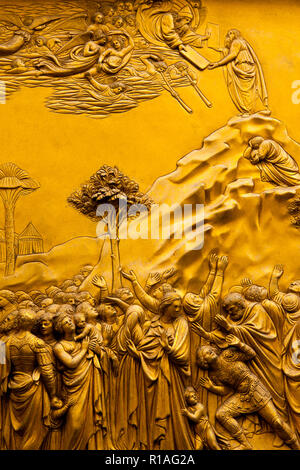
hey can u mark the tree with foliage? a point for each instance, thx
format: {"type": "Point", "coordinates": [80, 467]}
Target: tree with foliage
{"type": "Point", "coordinates": [109, 186]}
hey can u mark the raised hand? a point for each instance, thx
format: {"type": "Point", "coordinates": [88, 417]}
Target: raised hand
{"type": "Point", "coordinates": [168, 273]}
{"type": "Point", "coordinates": [232, 340]}
{"type": "Point", "coordinates": [153, 279]}
{"type": "Point", "coordinates": [223, 263]}
{"type": "Point", "coordinates": [246, 282]}
{"type": "Point", "coordinates": [278, 271]}
{"type": "Point", "coordinates": [222, 322]}
{"type": "Point", "coordinates": [131, 276]}
{"type": "Point", "coordinates": [99, 281]}
{"type": "Point", "coordinates": [213, 261]}
{"type": "Point", "coordinates": [197, 328]}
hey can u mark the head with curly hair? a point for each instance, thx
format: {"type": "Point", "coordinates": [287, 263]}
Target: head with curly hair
{"type": "Point", "coordinates": [66, 308]}
{"type": "Point", "coordinates": [70, 298]}
{"type": "Point", "coordinates": [85, 296]}
{"type": "Point", "coordinates": [206, 356]}
{"type": "Point", "coordinates": [255, 293]}
{"type": "Point", "coordinates": [125, 294]}
{"type": "Point", "coordinates": [191, 396]}
{"type": "Point", "coordinates": [26, 319]}
{"type": "Point", "coordinates": [7, 297]}
{"type": "Point", "coordinates": [234, 305]}
{"type": "Point", "coordinates": [64, 324]}
{"type": "Point", "coordinates": [255, 142]}
{"type": "Point", "coordinates": [231, 35]}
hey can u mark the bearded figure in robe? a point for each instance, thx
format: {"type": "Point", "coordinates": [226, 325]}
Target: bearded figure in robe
{"type": "Point", "coordinates": [201, 309]}
{"type": "Point", "coordinates": [244, 76]}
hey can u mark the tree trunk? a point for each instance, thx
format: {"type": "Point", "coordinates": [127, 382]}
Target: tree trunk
{"type": "Point", "coordinates": [115, 265]}
{"type": "Point", "coordinates": [9, 237]}
{"type": "Point", "coordinates": [119, 258]}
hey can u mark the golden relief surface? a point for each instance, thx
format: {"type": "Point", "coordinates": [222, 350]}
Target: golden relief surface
{"type": "Point", "coordinates": [144, 307]}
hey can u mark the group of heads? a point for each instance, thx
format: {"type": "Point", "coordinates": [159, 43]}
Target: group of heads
{"type": "Point", "coordinates": [117, 15]}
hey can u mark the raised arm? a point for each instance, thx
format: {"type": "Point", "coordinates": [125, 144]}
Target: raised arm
{"type": "Point", "coordinates": [152, 280]}
{"type": "Point", "coordinates": [213, 261]}
{"type": "Point", "coordinates": [216, 289]}
{"type": "Point", "coordinates": [200, 331]}
{"type": "Point", "coordinates": [146, 300]}
{"type": "Point", "coordinates": [100, 282]}
{"type": "Point", "coordinates": [120, 303]}
{"type": "Point", "coordinates": [273, 285]}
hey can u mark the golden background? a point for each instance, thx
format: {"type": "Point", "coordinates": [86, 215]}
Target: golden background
{"type": "Point", "coordinates": [62, 151]}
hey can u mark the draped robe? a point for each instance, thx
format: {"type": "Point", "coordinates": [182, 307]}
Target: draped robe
{"type": "Point", "coordinates": [276, 165]}
{"type": "Point", "coordinates": [152, 390]}
{"type": "Point", "coordinates": [244, 77]}
{"type": "Point", "coordinates": [84, 426]}
{"type": "Point", "coordinates": [291, 369]}
{"type": "Point", "coordinates": [28, 404]}
{"type": "Point", "coordinates": [257, 330]}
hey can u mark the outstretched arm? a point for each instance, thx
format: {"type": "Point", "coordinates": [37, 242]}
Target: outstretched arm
{"type": "Point", "coordinates": [199, 330]}
{"type": "Point", "coordinates": [213, 261]}
{"type": "Point", "coordinates": [247, 353]}
{"type": "Point", "coordinates": [120, 303]}
{"type": "Point", "coordinates": [146, 300]}
{"type": "Point", "coordinates": [273, 285]}
{"type": "Point", "coordinates": [233, 53]}
{"type": "Point", "coordinates": [152, 280]}
{"type": "Point", "coordinates": [216, 289]}
{"type": "Point", "coordinates": [100, 282]}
